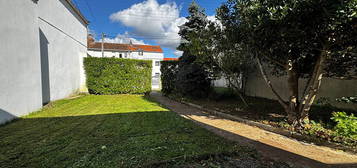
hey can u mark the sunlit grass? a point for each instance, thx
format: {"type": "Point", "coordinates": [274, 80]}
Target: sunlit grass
{"type": "Point", "coordinates": [105, 131]}
{"type": "Point", "coordinates": [97, 105]}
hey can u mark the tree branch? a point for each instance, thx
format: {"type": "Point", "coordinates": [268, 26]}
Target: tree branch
{"type": "Point", "coordinates": [268, 82]}
{"type": "Point", "coordinates": [275, 61]}
{"type": "Point", "coordinates": [314, 84]}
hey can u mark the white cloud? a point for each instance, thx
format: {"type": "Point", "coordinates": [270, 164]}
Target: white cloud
{"type": "Point", "coordinates": [212, 18]}
{"type": "Point", "coordinates": [215, 20]}
{"type": "Point", "coordinates": [124, 39]}
{"type": "Point", "coordinates": [178, 53]}
{"type": "Point", "coordinates": [152, 20]}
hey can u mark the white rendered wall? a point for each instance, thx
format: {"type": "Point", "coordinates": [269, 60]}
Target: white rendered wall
{"type": "Point", "coordinates": [39, 47]}
{"type": "Point", "coordinates": [20, 69]}
{"type": "Point", "coordinates": [67, 40]}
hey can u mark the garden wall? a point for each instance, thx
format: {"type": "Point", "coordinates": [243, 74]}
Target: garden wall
{"type": "Point", "coordinates": [330, 88]}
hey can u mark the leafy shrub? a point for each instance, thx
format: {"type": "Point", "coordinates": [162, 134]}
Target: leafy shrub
{"type": "Point", "coordinates": [192, 81]}
{"type": "Point", "coordinates": [169, 71]}
{"type": "Point", "coordinates": [117, 76]}
{"type": "Point", "coordinates": [350, 99]}
{"type": "Point", "coordinates": [187, 80]}
{"type": "Point", "coordinates": [346, 124]}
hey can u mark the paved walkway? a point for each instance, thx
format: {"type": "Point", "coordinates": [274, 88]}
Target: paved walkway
{"type": "Point", "coordinates": [268, 144]}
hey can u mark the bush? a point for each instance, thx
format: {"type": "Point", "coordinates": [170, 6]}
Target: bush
{"type": "Point", "coordinates": [168, 76]}
{"type": "Point", "coordinates": [192, 81]}
{"type": "Point", "coordinates": [346, 124]}
{"type": "Point", "coordinates": [117, 76]}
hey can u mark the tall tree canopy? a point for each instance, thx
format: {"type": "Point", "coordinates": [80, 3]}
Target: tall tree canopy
{"type": "Point", "coordinates": [192, 78]}
{"type": "Point", "coordinates": [298, 38]}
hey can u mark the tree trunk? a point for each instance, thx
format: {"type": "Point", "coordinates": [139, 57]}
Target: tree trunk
{"type": "Point", "coordinates": [293, 86]}
{"type": "Point", "coordinates": [313, 87]}
{"type": "Point", "coordinates": [236, 88]}
{"type": "Point", "coordinates": [268, 82]}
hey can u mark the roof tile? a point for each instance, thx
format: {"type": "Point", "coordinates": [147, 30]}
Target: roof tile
{"type": "Point", "coordinates": [125, 47]}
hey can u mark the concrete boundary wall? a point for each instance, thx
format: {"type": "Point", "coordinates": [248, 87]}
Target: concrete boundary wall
{"type": "Point", "coordinates": [331, 88]}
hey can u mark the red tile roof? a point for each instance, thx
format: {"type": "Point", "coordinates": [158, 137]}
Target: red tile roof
{"type": "Point", "coordinates": [170, 59]}
{"type": "Point", "coordinates": [124, 47]}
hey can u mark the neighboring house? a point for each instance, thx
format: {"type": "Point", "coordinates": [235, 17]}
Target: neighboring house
{"type": "Point", "coordinates": [43, 43]}
{"type": "Point", "coordinates": [130, 51]}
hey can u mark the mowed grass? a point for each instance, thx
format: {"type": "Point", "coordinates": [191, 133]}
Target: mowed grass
{"type": "Point", "coordinates": [105, 131]}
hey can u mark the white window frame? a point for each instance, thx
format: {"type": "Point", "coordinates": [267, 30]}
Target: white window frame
{"type": "Point", "coordinates": [157, 63]}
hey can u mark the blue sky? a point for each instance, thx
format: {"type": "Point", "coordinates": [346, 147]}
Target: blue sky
{"type": "Point", "coordinates": [152, 22]}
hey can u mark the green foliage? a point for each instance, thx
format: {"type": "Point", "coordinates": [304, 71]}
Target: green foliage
{"type": "Point", "coordinates": [192, 81]}
{"type": "Point", "coordinates": [299, 31]}
{"type": "Point", "coordinates": [193, 78]}
{"type": "Point", "coordinates": [169, 71]}
{"type": "Point", "coordinates": [189, 80]}
{"type": "Point", "coordinates": [298, 38]}
{"type": "Point", "coordinates": [346, 124]}
{"type": "Point", "coordinates": [117, 76]}
{"type": "Point", "coordinates": [197, 21]}
{"type": "Point", "coordinates": [316, 129]}
{"type": "Point", "coordinates": [350, 99]}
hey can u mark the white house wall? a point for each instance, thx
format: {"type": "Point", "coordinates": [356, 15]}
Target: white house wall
{"type": "Point", "coordinates": [20, 72]}
{"type": "Point", "coordinates": [40, 55]}
{"type": "Point", "coordinates": [67, 42]}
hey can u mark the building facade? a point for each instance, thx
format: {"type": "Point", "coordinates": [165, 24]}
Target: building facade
{"type": "Point", "coordinates": [130, 51]}
{"type": "Point", "coordinates": [41, 54]}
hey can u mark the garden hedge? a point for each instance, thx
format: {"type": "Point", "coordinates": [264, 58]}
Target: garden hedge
{"type": "Point", "coordinates": [117, 76]}
{"type": "Point", "coordinates": [169, 71]}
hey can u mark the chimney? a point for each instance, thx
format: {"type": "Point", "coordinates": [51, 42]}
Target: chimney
{"type": "Point", "coordinates": [90, 40]}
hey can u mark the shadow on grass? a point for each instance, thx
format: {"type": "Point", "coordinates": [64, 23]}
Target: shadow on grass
{"type": "Point", "coordinates": [5, 117]}
{"type": "Point", "coordinates": [111, 140]}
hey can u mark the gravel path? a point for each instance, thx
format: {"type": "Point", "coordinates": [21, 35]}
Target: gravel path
{"type": "Point", "coordinates": [268, 144]}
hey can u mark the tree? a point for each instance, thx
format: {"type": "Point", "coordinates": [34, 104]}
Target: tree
{"type": "Point", "coordinates": [192, 78]}
{"type": "Point", "coordinates": [220, 51]}
{"type": "Point", "coordinates": [300, 39]}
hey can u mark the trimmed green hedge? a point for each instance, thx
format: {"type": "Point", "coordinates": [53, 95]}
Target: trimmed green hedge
{"type": "Point", "coordinates": [169, 71]}
{"type": "Point", "coordinates": [117, 76]}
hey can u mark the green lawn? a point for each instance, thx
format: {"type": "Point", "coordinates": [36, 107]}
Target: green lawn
{"type": "Point", "coordinates": [105, 131]}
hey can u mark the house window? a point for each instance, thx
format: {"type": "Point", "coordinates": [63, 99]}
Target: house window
{"type": "Point", "coordinates": [120, 55]}
{"type": "Point", "coordinates": [157, 75]}
{"type": "Point", "coordinates": [157, 63]}
{"type": "Point", "coordinates": [141, 53]}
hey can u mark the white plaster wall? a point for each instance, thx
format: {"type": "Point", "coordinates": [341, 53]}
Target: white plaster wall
{"type": "Point", "coordinates": [330, 88]}
{"type": "Point", "coordinates": [20, 70]}
{"type": "Point", "coordinates": [39, 41]}
{"type": "Point", "coordinates": [221, 82]}
{"type": "Point", "coordinates": [67, 40]}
